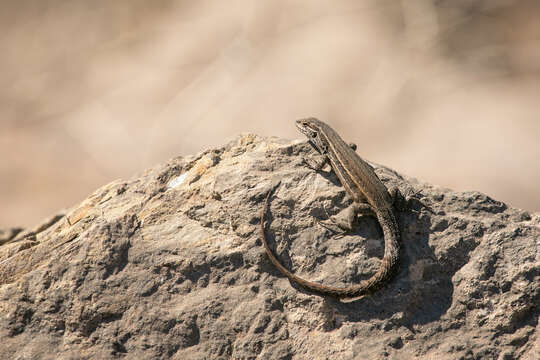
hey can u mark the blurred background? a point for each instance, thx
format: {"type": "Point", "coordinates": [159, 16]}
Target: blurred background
{"type": "Point", "coordinates": [447, 91]}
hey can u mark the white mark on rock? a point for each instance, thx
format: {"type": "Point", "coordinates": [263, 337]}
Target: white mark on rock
{"type": "Point", "coordinates": [177, 181]}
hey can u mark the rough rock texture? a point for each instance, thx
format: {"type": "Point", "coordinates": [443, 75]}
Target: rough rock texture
{"type": "Point", "coordinates": [170, 265]}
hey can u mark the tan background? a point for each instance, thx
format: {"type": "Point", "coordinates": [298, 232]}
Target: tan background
{"type": "Point", "coordinates": [90, 91]}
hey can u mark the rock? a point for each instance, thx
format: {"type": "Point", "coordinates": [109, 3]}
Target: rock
{"type": "Point", "coordinates": [170, 264]}
{"type": "Point", "coordinates": [8, 234]}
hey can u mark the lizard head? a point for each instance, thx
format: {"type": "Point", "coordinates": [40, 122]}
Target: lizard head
{"type": "Point", "coordinates": [312, 128]}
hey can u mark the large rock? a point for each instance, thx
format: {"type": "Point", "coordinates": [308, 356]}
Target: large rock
{"type": "Point", "coordinates": [170, 265]}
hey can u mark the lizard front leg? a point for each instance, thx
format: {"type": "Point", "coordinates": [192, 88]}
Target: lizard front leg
{"type": "Point", "coordinates": [316, 162]}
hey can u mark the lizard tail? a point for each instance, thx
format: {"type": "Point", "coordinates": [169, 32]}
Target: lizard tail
{"type": "Point", "coordinates": [391, 254]}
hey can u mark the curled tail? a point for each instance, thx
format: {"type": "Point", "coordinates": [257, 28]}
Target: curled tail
{"type": "Point", "coordinates": [391, 253]}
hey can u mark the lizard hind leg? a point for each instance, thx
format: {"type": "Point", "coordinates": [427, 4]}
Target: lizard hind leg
{"type": "Point", "coordinates": [345, 219]}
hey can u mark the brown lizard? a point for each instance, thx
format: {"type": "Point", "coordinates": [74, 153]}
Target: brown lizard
{"type": "Point", "coordinates": [370, 197]}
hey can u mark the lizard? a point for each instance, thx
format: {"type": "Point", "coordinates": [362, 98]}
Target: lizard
{"type": "Point", "coordinates": [369, 195]}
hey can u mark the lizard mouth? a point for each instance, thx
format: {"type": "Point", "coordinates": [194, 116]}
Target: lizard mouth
{"type": "Point", "coordinates": [303, 126]}
{"type": "Point", "coordinates": [300, 125]}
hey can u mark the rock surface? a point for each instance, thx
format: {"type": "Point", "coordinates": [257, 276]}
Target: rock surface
{"type": "Point", "coordinates": [170, 264]}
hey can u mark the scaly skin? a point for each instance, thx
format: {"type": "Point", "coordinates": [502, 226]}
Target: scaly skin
{"type": "Point", "coordinates": [366, 189]}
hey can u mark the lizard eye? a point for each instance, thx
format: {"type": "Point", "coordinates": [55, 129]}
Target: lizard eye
{"type": "Point", "coordinates": [313, 135]}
